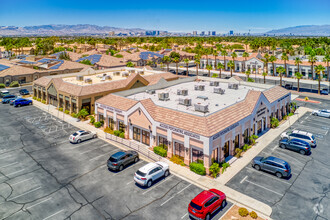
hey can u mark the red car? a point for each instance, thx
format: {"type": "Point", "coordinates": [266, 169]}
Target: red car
{"type": "Point", "coordinates": [206, 203]}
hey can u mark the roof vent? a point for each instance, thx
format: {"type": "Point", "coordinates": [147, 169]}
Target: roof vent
{"type": "Point", "coordinates": [141, 72]}
{"type": "Point", "coordinates": [199, 107]}
{"type": "Point", "coordinates": [233, 86]}
{"type": "Point", "coordinates": [131, 71]}
{"type": "Point", "coordinates": [214, 83]}
{"type": "Point", "coordinates": [88, 80]}
{"type": "Point", "coordinates": [202, 97]}
{"type": "Point", "coordinates": [108, 78]}
{"type": "Point", "coordinates": [185, 101]}
{"type": "Point", "coordinates": [218, 90]}
{"type": "Point", "coordinates": [164, 96]}
{"type": "Point", "coordinates": [151, 91]}
{"type": "Point", "coordinates": [80, 78]}
{"type": "Point", "coordinates": [200, 87]}
{"type": "Point", "coordinates": [182, 92]}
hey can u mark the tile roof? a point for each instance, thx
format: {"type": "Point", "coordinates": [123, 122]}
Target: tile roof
{"type": "Point", "coordinates": [16, 70]}
{"type": "Point", "coordinates": [117, 102]}
{"type": "Point", "coordinates": [275, 93]}
{"type": "Point", "coordinates": [43, 81]}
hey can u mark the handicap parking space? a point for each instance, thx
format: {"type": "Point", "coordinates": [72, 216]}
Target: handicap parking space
{"type": "Point", "coordinates": [305, 188]}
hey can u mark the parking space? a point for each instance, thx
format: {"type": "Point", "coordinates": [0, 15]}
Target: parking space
{"type": "Point", "coordinates": [43, 176]}
{"type": "Point", "coordinates": [304, 194]}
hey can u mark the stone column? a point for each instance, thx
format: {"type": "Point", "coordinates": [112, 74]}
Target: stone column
{"type": "Point", "coordinates": [207, 163]}
{"type": "Point", "coordinates": [187, 155]}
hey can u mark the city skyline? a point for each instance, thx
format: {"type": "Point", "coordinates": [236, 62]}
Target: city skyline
{"type": "Point", "coordinates": [257, 16]}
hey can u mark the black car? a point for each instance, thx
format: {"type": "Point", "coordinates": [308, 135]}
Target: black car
{"type": "Point", "coordinates": [121, 159]}
{"type": "Point", "coordinates": [288, 86]}
{"type": "Point", "coordinates": [24, 92]}
{"type": "Point", "coordinates": [294, 144]}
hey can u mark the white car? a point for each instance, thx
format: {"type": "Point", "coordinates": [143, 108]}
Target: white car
{"type": "Point", "coordinates": [322, 113]}
{"type": "Point", "coordinates": [149, 173]}
{"type": "Point", "coordinates": [80, 136]}
{"type": "Point", "coordinates": [299, 134]}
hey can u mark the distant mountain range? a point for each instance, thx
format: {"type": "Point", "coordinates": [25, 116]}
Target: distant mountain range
{"type": "Point", "coordinates": [304, 30]}
{"type": "Point", "coordinates": [61, 30]}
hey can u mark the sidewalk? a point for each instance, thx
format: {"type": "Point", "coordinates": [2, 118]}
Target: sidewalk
{"type": "Point", "coordinates": [204, 182]}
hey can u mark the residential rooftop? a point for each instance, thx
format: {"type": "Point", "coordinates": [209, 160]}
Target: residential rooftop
{"type": "Point", "coordinates": [214, 97]}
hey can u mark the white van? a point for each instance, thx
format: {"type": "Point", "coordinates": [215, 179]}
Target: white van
{"type": "Point", "coordinates": [4, 93]}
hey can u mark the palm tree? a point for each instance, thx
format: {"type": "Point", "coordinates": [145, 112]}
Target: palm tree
{"type": "Point", "coordinates": [285, 58]}
{"type": "Point", "coordinates": [273, 59]}
{"type": "Point", "coordinates": [187, 64]}
{"type": "Point", "coordinates": [167, 60]}
{"type": "Point", "coordinates": [264, 75]}
{"type": "Point", "coordinates": [297, 62]}
{"type": "Point", "coordinates": [266, 60]}
{"type": "Point", "coordinates": [312, 59]}
{"type": "Point", "coordinates": [245, 55]}
{"type": "Point", "coordinates": [224, 54]}
{"type": "Point", "coordinates": [298, 75]}
{"type": "Point", "coordinates": [176, 60]}
{"type": "Point", "coordinates": [220, 66]}
{"type": "Point", "coordinates": [197, 62]}
{"type": "Point", "coordinates": [327, 59]}
{"type": "Point", "coordinates": [209, 68]}
{"type": "Point", "coordinates": [319, 69]}
{"type": "Point", "coordinates": [215, 54]}
{"type": "Point", "coordinates": [233, 56]}
{"type": "Point", "coordinates": [247, 73]}
{"type": "Point", "coordinates": [231, 65]}
{"type": "Point", "coordinates": [280, 70]}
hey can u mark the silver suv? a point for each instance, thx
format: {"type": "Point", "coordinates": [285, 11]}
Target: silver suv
{"type": "Point", "coordinates": [302, 135]}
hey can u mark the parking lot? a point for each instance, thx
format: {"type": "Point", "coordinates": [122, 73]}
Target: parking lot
{"type": "Point", "coordinates": [305, 195]}
{"type": "Point", "coordinates": [43, 176]}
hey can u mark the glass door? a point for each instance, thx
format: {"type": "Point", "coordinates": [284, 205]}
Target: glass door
{"type": "Point", "coordinates": [146, 137]}
{"type": "Point", "coordinates": [226, 149]}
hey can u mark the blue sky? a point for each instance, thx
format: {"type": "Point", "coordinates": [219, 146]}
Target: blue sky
{"type": "Point", "coordinates": [218, 15]}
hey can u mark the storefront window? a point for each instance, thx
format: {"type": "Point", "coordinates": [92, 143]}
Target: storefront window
{"type": "Point", "coordinates": [101, 117]}
{"type": "Point", "coordinates": [137, 134]}
{"type": "Point", "coordinates": [197, 156]}
{"type": "Point", "coordinates": [179, 150]}
{"type": "Point", "coordinates": [162, 141]}
{"type": "Point", "coordinates": [215, 155]}
{"type": "Point", "coordinates": [146, 137]}
{"type": "Point", "coordinates": [121, 126]}
{"type": "Point", "coordinates": [111, 124]}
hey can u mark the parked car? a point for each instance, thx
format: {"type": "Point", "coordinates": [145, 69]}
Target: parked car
{"type": "Point", "coordinates": [82, 135]}
{"type": "Point", "coordinates": [298, 145]}
{"type": "Point", "coordinates": [121, 159]}
{"type": "Point", "coordinates": [274, 165]}
{"type": "Point", "coordinates": [288, 86]}
{"type": "Point", "coordinates": [302, 135]}
{"type": "Point", "coordinates": [206, 203]}
{"type": "Point", "coordinates": [20, 102]}
{"type": "Point", "coordinates": [324, 92]}
{"type": "Point", "coordinates": [149, 173]}
{"type": "Point", "coordinates": [4, 93]}
{"type": "Point", "coordinates": [6, 99]}
{"type": "Point", "coordinates": [11, 102]}
{"type": "Point", "coordinates": [24, 92]}
{"type": "Point", "coordinates": [322, 113]}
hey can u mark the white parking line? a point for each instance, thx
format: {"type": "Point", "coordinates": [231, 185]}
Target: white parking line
{"type": "Point", "coordinates": [39, 203]}
{"type": "Point", "coordinates": [243, 179]}
{"type": "Point", "coordinates": [184, 189]}
{"type": "Point", "coordinates": [265, 174]}
{"type": "Point", "coordinates": [94, 158]}
{"type": "Point", "coordinates": [184, 215]}
{"type": "Point", "coordinates": [129, 182]}
{"type": "Point", "coordinates": [53, 214]}
{"type": "Point", "coordinates": [264, 187]}
{"type": "Point", "coordinates": [157, 185]}
{"type": "Point", "coordinates": [26, 193]}
{"type": "Point", "coordinates": [6, 156]}
{"type": "Point", "coordinates": [94, 149]}
{"type": "Point", "coordinates": [128, 167]}
{"type": "Point", "coordinates": [15, 172]}
{"type": "Point", "coordinates": [167, 201]}
{"type": "Point", "coordinates": [13, 184]}
{"type": "Point", "coordinates": [8, 165]}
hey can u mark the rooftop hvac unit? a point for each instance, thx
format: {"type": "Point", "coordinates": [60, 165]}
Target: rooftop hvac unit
{"type": "Point", "coordinates": [200, 87]}
{"type": "Point", "coordinates": [141, 72]}
{"type": "Point", "coordinates": [108, 78]}
{"type": "Point", "coordinates": [80, 78]}
{"type": "Point", "coordinates": [116, 73]}
{"type": "Point", "coordinates": [199, 107]}
{"type": "Point", "coordinates": [182, 92]}
{"type": "Point", "coordinates": [232, 86]}
{"type": "Point", "coordinates": [124, 74]}
{"type": "Point", "coordinates": [219, 90]}
{"type": "Point", "coordinates": [88, 80]}
{"type": "Point", "coordinates": [164, 96]}
{"type": "Point", "coordinates": [213, 83]}
{"type": "Point", "coordinates": [131, 71]}
{"type": "Point", "coordinates": [151, 91]}
{"type": "Point", "coordinates": [186, 102]}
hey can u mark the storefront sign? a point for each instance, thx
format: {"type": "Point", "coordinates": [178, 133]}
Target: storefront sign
{"type": "Point", "coordinates": [283, 97]}
{"type": "Point", "coordinates": [178, 130]}
{"type": "Point", "coordinates": [231, 127]}
{"type": "Point", "coordinates": [108, 108]}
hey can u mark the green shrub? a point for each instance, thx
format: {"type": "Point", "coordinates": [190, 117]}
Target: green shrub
{"type": "Point", "coordinates": [200, 161]}
{"type": "Point", "coordinates": [250, 146]}
{"type": "Point", "coordinates": [285, 117]}
{"type": "Point", "coordinates": [290, 114]}
{"type": "Point", "coordinates": [2, 86]}
{"type": "Point", "coordinates": [197, 168]}
{"type": "Point", "coordinates": [38, 99]}
{"type": "Point", "coordinates": [116, 132]}
{"type": "Point", "coordinates": [177, 160]}
{"type": "Point", "coordinates": [82, 113]}
{"type": "Point", "coordinates": [214, 169]}
{"type": "Point", "coordinates": [274, 122]}
{"type": "Point", "coordinates": [74, 115]}
{"type": "Point", "coordinates": [60, 109]}
{"type": "Point", "coordinates": [122, 135]}
{"type": "Point", "coordinates": [160, 151]}
{"type": "Point", "coordinates": [253, 215]}
{"type": "Point", "coordinates": [306, 98]}
{"type": "Point", "coordinates": [164, 146]}
{"type": "Point", "coordinates": [245, 147]}
{"type": "Point", "coordinates": [238, 152]}
{"type": "Point", "coordinates": [225, 166]}
{"type": "Point", "coordinates": [214, 75]}
{"type": "Point", "coordinates": [43, 101]}
{"type": "Point", "coordinates": [254, 136]}
{"type": "Point", "coordinates": [67, 112]}
{"type": "Point", "coordinates": [243, 212]}
{"type": "Point", "coordinates": [250, 80]}
{"type": "Point", "coordinates": [97, 124]}
{"type": "Point", "coordinates": [108, 130]}
{"type": "Point", "coordinates": [118, 56]}
{"type": "Point", "coordinates": [92, 119]}
{"type": "Point", "coordinates": [14, 84]}
{"type": "Point", "coordinates": [35, 98]}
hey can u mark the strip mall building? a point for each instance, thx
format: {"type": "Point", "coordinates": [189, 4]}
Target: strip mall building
{"type": "Point", "coordinates": [209, 126]}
